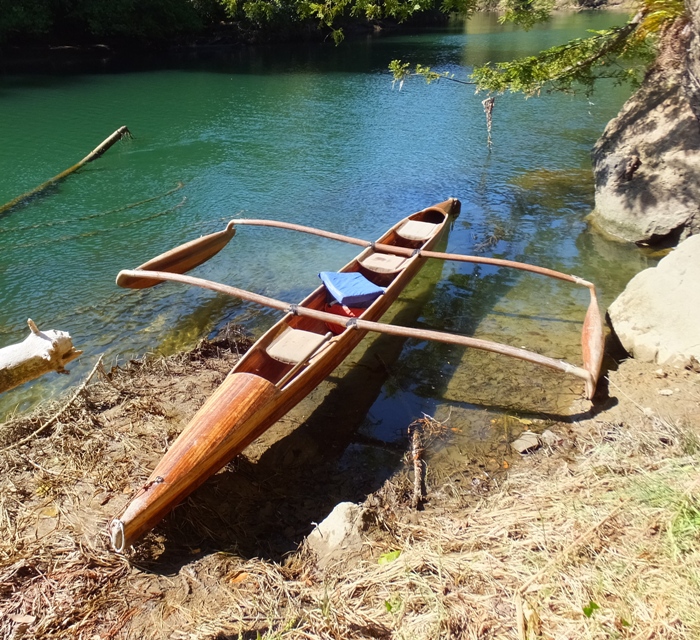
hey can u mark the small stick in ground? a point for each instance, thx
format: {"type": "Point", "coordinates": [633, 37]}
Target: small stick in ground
{"type": "Point", "coordinates": [415, 433]}
{"type": "Point", "coordinates": [418, 431]}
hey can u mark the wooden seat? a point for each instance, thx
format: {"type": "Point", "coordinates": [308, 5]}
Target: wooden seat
{"type": "Point", "coordinates": [416, 230]}
{"type": "Point", "coordinates": [293, 346]}
{"type": "Point", "coordinates": [383, 262]}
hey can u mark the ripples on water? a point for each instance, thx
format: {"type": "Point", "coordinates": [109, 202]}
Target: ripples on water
{"type": "Point", "coordinates": [313, 135]}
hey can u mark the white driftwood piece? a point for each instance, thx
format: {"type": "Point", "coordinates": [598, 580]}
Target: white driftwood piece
{"type": "Point", "coordinates": [40, 353]}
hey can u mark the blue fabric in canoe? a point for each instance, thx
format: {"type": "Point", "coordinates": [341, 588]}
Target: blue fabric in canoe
{"type": "Point", "coordinates": [351, 289]}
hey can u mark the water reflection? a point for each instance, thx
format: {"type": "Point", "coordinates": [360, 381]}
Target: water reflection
{"type": "Point", "coordinates": [309, 134]}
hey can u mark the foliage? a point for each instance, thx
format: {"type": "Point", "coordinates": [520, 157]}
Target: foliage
{"type": "Point", "coordinates": [261, 12]}
{"type": "Point", "coordinates": [389, 556]}
{"type": "Point", "coordinates": [329, 12]}
{"type": "Point", "coordinates": [333, 13]}
{"type": "Point", "coordinates": [621, 53]}
{"type": "Point", "coordinates": [158, 19]}
{"type": "Point", "coordinates": [77, 20]}
{"type": "Point", "coordinates": [526, 13]}
{"type": "Point", "coordinates": [578, 62]}
{"type": "Point", "coordinates": [590, 608]}
{"type": "Point", "coordinates": [684, 531]}
{"type": "Point", "coordinates": [657, 15]}
{"type": "Point", "coordinates": [24, 17]}
{"type": "Point", "coordinates": [141, 19]}
{"type": "Point", "coordinates": [402, 70]}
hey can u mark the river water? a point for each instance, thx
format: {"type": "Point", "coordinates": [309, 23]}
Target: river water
{"type": "Point", "coordinates": [314, 135]}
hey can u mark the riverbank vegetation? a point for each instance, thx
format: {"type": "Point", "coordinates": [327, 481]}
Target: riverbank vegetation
{"type": "Point", "coordinates": [622, 54]}
{"type": "Point", "coordinates": [592, 536]}
{"type": "Point", "coordinates": [159, 23]}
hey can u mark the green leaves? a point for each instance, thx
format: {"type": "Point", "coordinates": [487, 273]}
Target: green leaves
{"type": "Point", "coordinates": [429, 74]}
{"type": "Point", "coordinates": [621, 53]}
{"type": "Point", "coordinates": [526, 13]}
{"type": "Point", "coordinates": [581, 61]}
{"type": "Point", "coordinates": [389, 556]}
{"type": "Point", "coordinates": [393, 605]}
{"type": "Point", "coordinates": [402, 70]}
{"type": "Point", "coordinates": [590, 608]}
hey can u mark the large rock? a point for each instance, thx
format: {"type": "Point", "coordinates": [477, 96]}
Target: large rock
{"type": "Point", "coordinates": [647, 162]}
{"type": "Point", "coordinates": [657, 316]}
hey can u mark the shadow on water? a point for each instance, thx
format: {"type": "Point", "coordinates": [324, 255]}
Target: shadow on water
{"type": "Point", "coordinates": [357, 55]}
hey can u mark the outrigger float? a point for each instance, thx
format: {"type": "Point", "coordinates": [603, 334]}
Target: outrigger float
{"type": "Point", "coordinates": [306, 345]}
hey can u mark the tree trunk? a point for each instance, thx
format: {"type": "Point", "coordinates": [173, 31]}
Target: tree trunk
{"type": "Point", "coordinates": [38, 354]}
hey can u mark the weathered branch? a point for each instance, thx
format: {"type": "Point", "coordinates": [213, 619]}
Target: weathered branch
{"type": "Point", "coordinates": [94, 154]}
{"type": "Point", "coordinates": [40, 353]}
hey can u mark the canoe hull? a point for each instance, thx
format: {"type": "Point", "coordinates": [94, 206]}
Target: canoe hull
{"type": "Point", "coordinates": [246, 405]}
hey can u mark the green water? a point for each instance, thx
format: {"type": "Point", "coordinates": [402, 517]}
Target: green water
{"type": "Point", "coordinates": [313, 135]}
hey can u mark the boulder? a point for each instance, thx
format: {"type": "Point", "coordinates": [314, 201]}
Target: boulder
{"type": "Point", "coordinates": [692, 71]}
{"type": "Point", "coordinates": [647, 167]}
{"type": "Point", "coordinates": [647, 162]}
{"type": "Point", "coordinates": [656, 316]}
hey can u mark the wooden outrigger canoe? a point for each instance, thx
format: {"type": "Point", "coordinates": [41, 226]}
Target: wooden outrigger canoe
{"type": "Point", "coordinates": [302, 349]}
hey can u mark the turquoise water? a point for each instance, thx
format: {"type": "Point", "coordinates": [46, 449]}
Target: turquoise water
{"type": "Point", "coordinates": [311, 134]}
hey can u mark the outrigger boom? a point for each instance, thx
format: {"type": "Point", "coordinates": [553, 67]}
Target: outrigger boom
{"type": "Point", "coordinates": [195, 252]}
{"type": "Point", "coordinates": [592, 338]}
{"type": "Point", "coordinates": [367, 325]}
{"type": "Point", "coordinates": [305, 346]}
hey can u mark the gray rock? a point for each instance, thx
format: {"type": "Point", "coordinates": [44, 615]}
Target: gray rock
{"type": "Point", "coordinates": [550, 438]}
{"type": "Point", "coordinates": [647, 165]}
{"type": "Point", "coordinates": [657, 316]}
{"type": "Point", "coordinates": [338, 535]}
{"type": "Point", "coordinates": [528, 441]}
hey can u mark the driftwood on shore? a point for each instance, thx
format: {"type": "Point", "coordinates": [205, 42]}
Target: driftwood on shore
{"type": "Point", "coordinates": [120, 133]}
{"type": "Point", "coordinates": [40, 353]}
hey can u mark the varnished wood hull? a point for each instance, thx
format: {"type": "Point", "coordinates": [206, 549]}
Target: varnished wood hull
{"type": "Point", "coordinates": [249, 402]}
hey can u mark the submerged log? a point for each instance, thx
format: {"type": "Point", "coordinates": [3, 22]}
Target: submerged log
{"type": "Point", "coordinates": [120, 133]}
{"type": "Point", "coordinates": [40, 353]}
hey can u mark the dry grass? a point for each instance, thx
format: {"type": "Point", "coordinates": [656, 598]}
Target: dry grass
{"type": "Point", "coordinates": [597, 538]}
{"type": "Point", "coordinates": [57, 577]}
{"type": "Point", "coordinates": [606, 546]}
